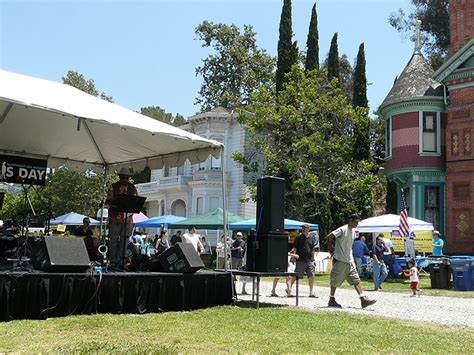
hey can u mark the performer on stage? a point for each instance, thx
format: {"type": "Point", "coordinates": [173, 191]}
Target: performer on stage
{"type": "Point", "coordinates": [92, 243]}
{"type": "Point", "coordinates": [120, 229]}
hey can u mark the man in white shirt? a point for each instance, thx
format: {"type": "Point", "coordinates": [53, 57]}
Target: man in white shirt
{"type": "Point", "coordinates": [192, 237]}
{"type": "Point", "coordinates": [340, 246]}
{"type": "Point", "coordinates": [388, 257]}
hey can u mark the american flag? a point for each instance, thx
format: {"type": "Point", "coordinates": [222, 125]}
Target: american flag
{"type": "Point", "coordinates": [404, 227]}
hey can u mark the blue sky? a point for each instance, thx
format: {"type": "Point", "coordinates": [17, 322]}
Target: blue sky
{"type": "Point", "coordinates": [144, 52]}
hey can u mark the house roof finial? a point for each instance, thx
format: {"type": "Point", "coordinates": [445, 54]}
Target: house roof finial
{"type": "Point", "coordinates": [418, 37]}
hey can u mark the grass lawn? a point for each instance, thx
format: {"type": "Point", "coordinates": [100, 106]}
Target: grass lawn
{"type": "Point", "coordinates": [322, 279]}
{"type": "Point", "coordinates": [231, 329]}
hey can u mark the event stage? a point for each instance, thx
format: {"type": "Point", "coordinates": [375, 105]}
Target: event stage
{"type": "Point", "coordinates": [38, 295]}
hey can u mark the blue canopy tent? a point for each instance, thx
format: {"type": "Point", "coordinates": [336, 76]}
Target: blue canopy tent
{"type": "Point", "coordinates": [289, 224]}
{"type": "Point", "coordinates": [159, 221]}
{"type": "Point", "coordinates": [72, 219]}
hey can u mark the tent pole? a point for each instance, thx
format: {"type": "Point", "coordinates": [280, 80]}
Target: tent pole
{"type": "Point", "coordinates": [102, 201]}
{"type": "Point", "coordinates": [224, 204]}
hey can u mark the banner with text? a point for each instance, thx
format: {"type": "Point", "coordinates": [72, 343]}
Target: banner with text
{"type": "Point", "coordinates": [20, 170]}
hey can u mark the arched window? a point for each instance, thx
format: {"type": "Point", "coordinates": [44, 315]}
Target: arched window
{"type": "Point", "coordinates": [178, 208]}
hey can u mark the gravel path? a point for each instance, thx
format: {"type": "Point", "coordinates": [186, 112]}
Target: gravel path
{"type": "Point", "coordinates": [443, 310]}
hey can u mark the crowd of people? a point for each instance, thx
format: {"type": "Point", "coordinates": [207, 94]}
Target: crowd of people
{"type": "Point", "coordinates": [349, 252]}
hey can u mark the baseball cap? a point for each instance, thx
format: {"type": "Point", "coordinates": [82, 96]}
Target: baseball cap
{"type": "Point", "coordinates": [239, 234]}
{"type": "Point", "coordinates": [353, 217]}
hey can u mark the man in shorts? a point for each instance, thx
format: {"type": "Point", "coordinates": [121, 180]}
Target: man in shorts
{"type": "Point", "coordinates": [304, 248]}
{"type": "Point", "coordinates": [343, 266]}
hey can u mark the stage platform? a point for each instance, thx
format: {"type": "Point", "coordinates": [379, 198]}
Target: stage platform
{"type": "Point", "coordinates": [38, 295]}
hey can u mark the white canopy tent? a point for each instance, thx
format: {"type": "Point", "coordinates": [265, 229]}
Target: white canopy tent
{"type": "Point", "coordinates": [40, 118]}
{"type": "Point", "coordinates": [390, 222]}
{"type": "Point", "coordinates": [49, 120]}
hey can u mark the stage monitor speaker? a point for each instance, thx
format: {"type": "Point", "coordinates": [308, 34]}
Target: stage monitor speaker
{"type": "Point", "coordinates": [60, 254]}
{"type": "Point", "coordinates": [268, 253]}
{"type": "Point", "coordinates": [182, 257]}
{"type": "Point", "coordinates": [270, 205]}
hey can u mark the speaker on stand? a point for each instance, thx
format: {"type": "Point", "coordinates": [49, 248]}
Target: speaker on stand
{"type": "Point", "coordinates": [269, 253]}
{"type": "Point", "coordinates": [267, 249]}
{"type": "Point", "coordinates": [270, 205]}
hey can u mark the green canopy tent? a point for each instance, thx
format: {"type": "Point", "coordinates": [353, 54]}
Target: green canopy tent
{"type": "Point", "coordinates": [211, 220]}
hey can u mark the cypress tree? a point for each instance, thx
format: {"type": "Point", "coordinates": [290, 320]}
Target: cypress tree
{"type": "Point", "coordinates": [359, 99]}
{"type": "Point", "coordinates": [287, 50]}
{"type": "Point", "coordinates": [333, 59]}
{"type": "Point", "coordinates": [312, 43]}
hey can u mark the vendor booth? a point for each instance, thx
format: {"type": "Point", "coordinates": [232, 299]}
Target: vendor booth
{"type": "Point", "coordinates": [389, 225]}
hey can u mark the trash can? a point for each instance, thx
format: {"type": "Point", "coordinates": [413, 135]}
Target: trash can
{"type": "Point", "coordinates": [440, 274]}
{"type": "Point", "coordinates": [461, 267]}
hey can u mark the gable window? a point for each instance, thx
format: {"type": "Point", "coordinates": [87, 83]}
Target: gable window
{"type": "Point", "coordinates": [429, 133]}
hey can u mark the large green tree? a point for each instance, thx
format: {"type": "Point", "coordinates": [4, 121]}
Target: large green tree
{"type": "Point", "coordinates": [65, 191]}
{"type": "Point", "coordinates": [287, 49]}
{"type": "Point", "coordinates": [78, 81]}
{"type": "Point", "coordinates": [235, 69]}
{"type": "Point", "coordinates": [359, 100]}
{"type": "Point", "coordinates": [333, 60]}
{"type": "Point", "coordinates": [377, 137]}
{"type": "Point", "coordinates": [72, 191]}
{"type": "Point", "coordinates": [160, 114]}
{"type": "Point", "coordinates": [312, 42]}
{"type": "Point", "coordinates": [304, 138]}
{"type": "Point", "coordinates": [434, 18]}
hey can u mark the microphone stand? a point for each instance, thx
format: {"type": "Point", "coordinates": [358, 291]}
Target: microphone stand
{"type": "Point", "coordinates": [48, 207]}
{"type": "Point", "coordinates": [23, 249]}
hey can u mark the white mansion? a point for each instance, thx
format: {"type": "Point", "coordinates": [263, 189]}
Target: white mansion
{"type": "Point", "coordinates": [191, 190]}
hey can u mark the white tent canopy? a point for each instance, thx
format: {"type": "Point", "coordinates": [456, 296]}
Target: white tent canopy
{"type": "Point", "coordinates": [72, 219]}
{"type": "Point", "coordinates": [390, 222]}
{"type": "Point", "coordinates": [45, 119]}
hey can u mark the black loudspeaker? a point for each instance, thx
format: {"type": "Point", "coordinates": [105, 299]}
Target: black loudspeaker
{"type": "Point", "coordinates": [267, 252]}
{"type": "Point", "coordinates": [182, 257]}
{"type": "Point", "coordinates": [60, 254]}
{"type": "Point", "coordinates": [270, 204]}
{"type": "Point", "coordinates": [2, 197]}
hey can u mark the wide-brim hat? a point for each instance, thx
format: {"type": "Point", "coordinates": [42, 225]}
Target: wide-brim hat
{"type": "Point", "coordinates": [124, 172]}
